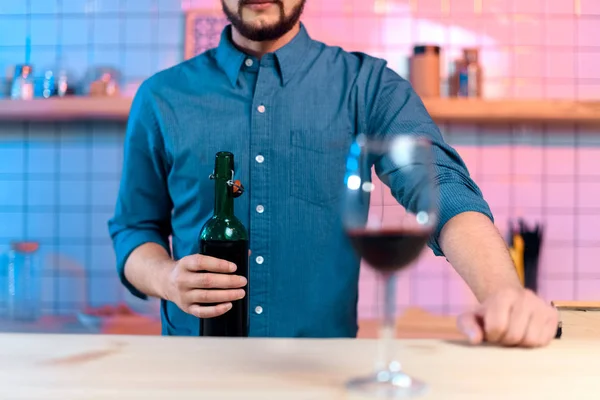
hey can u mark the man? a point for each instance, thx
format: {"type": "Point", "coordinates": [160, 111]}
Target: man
{"type": "Point", "coordinates": [277, 99]}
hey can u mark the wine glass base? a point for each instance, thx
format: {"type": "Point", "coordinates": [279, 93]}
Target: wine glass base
{"type": "Point", "coordinates": [388, 384]}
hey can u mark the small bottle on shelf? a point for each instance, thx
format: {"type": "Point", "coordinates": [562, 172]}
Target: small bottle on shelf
{"type": "Point", "coordinates": [470, 75]}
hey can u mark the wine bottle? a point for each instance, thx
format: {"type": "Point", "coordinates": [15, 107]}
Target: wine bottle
{"type": "Point", "coordinates": [225, 237]}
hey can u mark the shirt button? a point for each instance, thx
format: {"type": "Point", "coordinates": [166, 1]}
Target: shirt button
{"type": "Point", "coordinates": [260, 260]}
{"type": "Point", "coordinates": [260, 209]}
{"type": "Point", "coordinates": [258, 310]}
{"type": "Point", "coordinates": [259, 159]}
{"type": "Point", "coordinates": [249, 62]}
{"type": "Point", "coordinates": [261, 109]}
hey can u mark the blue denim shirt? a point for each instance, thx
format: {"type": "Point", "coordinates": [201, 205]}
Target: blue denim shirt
{"type": "Point", "coordinates": [289, 118]}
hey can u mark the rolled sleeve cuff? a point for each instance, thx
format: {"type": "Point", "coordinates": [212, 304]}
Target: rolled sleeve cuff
{"type": "Point", "coordinates": [126, 244]}
{"type": "Point", "coordinates": [456, 198]}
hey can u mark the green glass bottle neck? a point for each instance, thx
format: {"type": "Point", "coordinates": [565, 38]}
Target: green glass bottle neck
{"type": "Point", "coordinates": [223, 191]}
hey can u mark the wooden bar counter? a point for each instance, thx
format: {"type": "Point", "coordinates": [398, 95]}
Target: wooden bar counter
{"type": "Point", "coordinates": [115, 367]}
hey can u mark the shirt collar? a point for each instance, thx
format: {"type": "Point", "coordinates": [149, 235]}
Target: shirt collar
{"type": "Point", "coordinates": [289, 57]}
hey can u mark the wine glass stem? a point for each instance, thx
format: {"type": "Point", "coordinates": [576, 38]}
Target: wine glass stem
{"type": "Point", "coordinates": [388, 327]}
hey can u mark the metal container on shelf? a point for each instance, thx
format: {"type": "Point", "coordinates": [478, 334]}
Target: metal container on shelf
{"type": "Point", "coordinates": [470, 74]}
{"type": "Point", "coordinates": [22, 278]}
{"type": "Point", "coordinates": [23, 83]}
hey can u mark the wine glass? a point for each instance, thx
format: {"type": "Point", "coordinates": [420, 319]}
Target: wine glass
{"type": "Point", "coordinates": [389, 244]}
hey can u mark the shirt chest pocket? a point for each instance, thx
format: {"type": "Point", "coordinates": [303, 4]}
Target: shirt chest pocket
{"type": "Point", "coordinates": [318, 165]}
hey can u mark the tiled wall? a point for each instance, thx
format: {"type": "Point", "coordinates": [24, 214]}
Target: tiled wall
{"type": "Point", "coordinates": [58, 182]}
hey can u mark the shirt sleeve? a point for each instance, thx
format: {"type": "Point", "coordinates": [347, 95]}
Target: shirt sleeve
{"type": "Point", "coordinates": [143, 209]}
{"type": "Point", "coordinates": [397, 109]}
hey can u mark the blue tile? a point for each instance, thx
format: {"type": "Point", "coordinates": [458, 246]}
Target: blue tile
{"type": "Point", "coordinates": [74, 255]}
{"type": "Point", "coordinates": [76, 63]}
{"type": "Point", "coordinates": [72, 193]}
{"type": "Point", "coordinates": [41, 160]}
{"type": "Point", "coordinates": [44, 31]}
{"type": "Point", "coordinates": [11, 226]}
{"type": "Point", "coordinates": [12, 193]}
{"type": "Point", "coordinates": [71, 294]}
{"type": "Point", "coordinates": [74, 160]}
{"type": "Point", "coordinates": [13, 31]}
{"type": "Point", "coordinates": [169, 57]}
{"type": "Point", "coordinates": [41, 193]}
{"type": "Point", "coordinates": [138, 30]}
{"type": "Point", "coordinates": [41, 134]}
{"type": "Point", "coordinates": [171, 30]}
{"type": "Point", "coordinates": [139, 63]}
{"type": "Point", "coordinates": [138, 6]}
{"type": "Point", "coordinates": [11, 160]}
{"type": "Point", "coordinates": [13, 7]}
{"type": "Point", "coordinates": [9, 56]}
{"type": "Point", "coordinates": [108, 6]}
{"type": "Point", "coordinates": [72, 225]}
{"type": "Point", "coordinates": [103, 258]}
{"type": "Point", "coordinates": [108, 134]}
{"type": "Point", "coordinates": [107, 57]}
{"type": "Point", "coordinates": [104, 193]}
{"type": "Point", "coordinates": [100, 225]}
{"type": "Point", "coordinates": [43, 6]}
{"type": "Point", "coordinates": [169, 5]}
{"type": "Point", "coordinates": [75, 31]}
{"type": "Point", "coordinates": [12, 134]}
{"type": "Point", "coordinates": [107, 30]}
{"type": "Point", "coordinates": [74, 133]}
{"type": "Point", "coordinates": [107, 160]}
{"type": "Point", "coordinates": [41, 225]}
{"type": "Point", "coordinates": [104, 291]}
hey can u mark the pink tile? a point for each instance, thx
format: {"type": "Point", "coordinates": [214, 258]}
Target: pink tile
{"type": "Point", "coordinates": [588, 195]}
{"type": "Point", "coordinates": [554, 289]}
{"type": "Point", "coordinates": [470, 156]}
{"type": "Point", "coordinates": [429, 266]}
{"type": "Point", "coordinates": [559, 228]}
{"type": "Point", "coordinates": [498, 89]}
{"type": "Point", "coordinates": [588, 161]}
{"type": "Point", "coordinates": [587, 227]}
{"type": "Point", "coordinates": [377, 193]}
{"type": "Point", "coordinates": [588, 30]}
{"type": "Point", "coordinates": [429, 292]}
{"type": "Point", "coordinates": [527, 193]}
{"type": "Point", "coordinates": [496, 63]}
{"type": "Point", "coordinates": [560, 194]}
{"type": "Point", "coordinates": [501, 220]}
{"type": "Point", "coordinates": [560, 64]}
{"type": "Point", "coordinates": [403, 290]}
{"type": "Point", "coordinates": [529, 31]}
{"type": "Point", "coordinates": [367, 31]}
{"type": "Point", "coordinates": [587, 65]}
{"type": "Point", "coordinates": [499, 29]}
{"type": "Point", "coordinates": [529, 6]}
{"type": "Point", "coordinates": [588, 260]}
{"type": "Point", "coordinates": [528, 160]}
{"type": "Point", "coordinates": [431, 30]}
{"type": "Point", "coordinates": [555, 260]}
{"type": "Point", "coordinates": [388, 199]}
{"type": "Point", "coordinates": [560, 161]}
{"type": "Point", "coordinates": [460, 294]}
{"type": "Point", "coordinates": [495, 160]}
{"type": "Point", "coordinates": [429, 7]}
{"type": "Point", "coordinates": [465, 31]}
{"type": "Point", "coordinates": [497, 194]}
{"type": "Point", "coordinates": [462, 7]}
{"type": "Point", "coordinates": [560, 91]}
{"type": "Point", "coordinates": [497, 6]}
{"type": "Point", "coordinates": [560, 31]}
{"type": "Point", "coordinates": [590, 7]}
{"type": "Point", "coordinates": [560, 7]}
{"type": "Point", "coordinates": [392, 215]}
{"type": "Point", "coordinates": [588, 290]}
{"type": "Point", "coordinates": [529, 63]}
{"type": "Point", "coordinates": [525, 88]}
{"type": "Point", "coordinates": [586, 91]}
{"type": "Point", "coordinates": [375, 213]}
{"type": "Point", "coordinates": [397, 30]}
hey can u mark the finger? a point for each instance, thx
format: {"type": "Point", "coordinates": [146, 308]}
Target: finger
{"type": "Point", "coordinates": [548, 333]}
{"type": "Point", "coordinates": [200, 262]}
{"type": "Point", "coordinates": [216, 281]}
{"type": "Point", "coordinates": [209, 311]}
{"type": "Point", "coordinates": [519, 322]}
{"type": "Point", "coordinates": [535, 330]}
{"type": "Point", "coordinates": [468, 324]}
{"type": "Point", "coordinates": [496, 318]}
{"type": "Point", "coordinates": [200, 296]}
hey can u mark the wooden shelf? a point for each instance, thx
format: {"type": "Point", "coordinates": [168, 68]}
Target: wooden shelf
{"type": "Point", "coordinates": [514, 111]}
{"type": "Point", "coordinates": [442, 110]}
{"type": "Point", "coordinates": [66, 109]}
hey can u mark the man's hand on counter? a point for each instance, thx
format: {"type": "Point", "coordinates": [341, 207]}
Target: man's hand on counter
{"type": "Point", "coordinates": [511, 317]}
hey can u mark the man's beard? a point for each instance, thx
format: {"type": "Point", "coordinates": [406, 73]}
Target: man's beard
{"type": "Point", "coordinates": [272, 32]}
